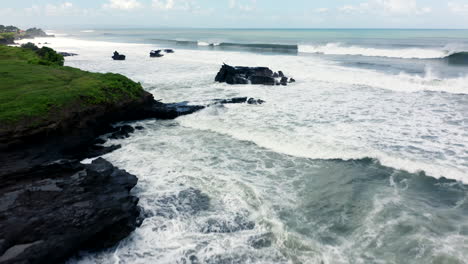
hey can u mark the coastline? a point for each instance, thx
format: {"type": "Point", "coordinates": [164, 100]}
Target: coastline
{"type": "Point", "coordinates": [70, 206]}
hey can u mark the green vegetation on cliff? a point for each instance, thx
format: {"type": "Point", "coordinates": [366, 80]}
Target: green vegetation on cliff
{"type": "Point", "coordinates": [34, 86]}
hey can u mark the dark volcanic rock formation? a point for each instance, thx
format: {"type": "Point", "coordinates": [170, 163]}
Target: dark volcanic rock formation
{"type": "Point", "coordinates": [46, 219]}
{"type": "Point", "coordinates": [156, 54]}
{"type": "Point", "coordinates": [250, 75]}
{"type": "Point", "coordinates": [67, 54]}
{"type": "Point", "coordinates": [118, 56]}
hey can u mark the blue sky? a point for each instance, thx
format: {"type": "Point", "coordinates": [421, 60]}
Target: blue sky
{"type": "Point", "coordinates": [238, 13]}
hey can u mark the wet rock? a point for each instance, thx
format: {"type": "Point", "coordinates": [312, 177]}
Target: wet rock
{"type": "Point", "coordinates": [239, 100]}
{"type": "Point", "coordinates": [118, 56]}
{"type": "Point", "coordinates": [266, 80]}
{"type": "Point", "coordinates": [169, 51]}
{"type": "Point", "coordinates": [63, 207]}
{"type": "Point", "coordinates": [139, 128]}
{"type": "Point", "coordinates": [292, 80]}
{"type": "Point", "coordinates": [122, 132]}
{"type": "Point", "coordinates": [284, 81]}
{"type": "Point", "coordinates": [96, 150]}
{"type": "Point", "coordinates": [156, 54]}
{"type": "Point", "coordinates": [67, 54]}
{"type": "Point", "coordinates": [245, 75]}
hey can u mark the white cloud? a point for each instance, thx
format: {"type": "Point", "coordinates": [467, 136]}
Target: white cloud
{"type": "Point", "coordinates": [322, 10]}
{"type": "Point", "coordinates": [246, 6]}
{"type": "Point", "coordinates": [57, 10]}
{"type": "Point", "coordinates": [185, 5]}
{"type": "Point", "coordinates": [122, 4]}
{"type": "Point", "coordinates": [389, 7]}
{"type": "Point", "coordinates": [456, 7]}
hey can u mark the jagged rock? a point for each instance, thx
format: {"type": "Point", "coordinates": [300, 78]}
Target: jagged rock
{"type": "Point", "coordinates": [62, 207]}
{"type": "Point", "coordinates": [239, 100]}
{"type": "Point", "coordinates": [156, 54]}
{"type": "Point", "coordinates": [118, 56]}
{"type": "Point", "coordinates": [246, 75]}
{"type": "Point", "coordinates": [67, 54]}
{"type": "Point", "coordinates": [284, 81]}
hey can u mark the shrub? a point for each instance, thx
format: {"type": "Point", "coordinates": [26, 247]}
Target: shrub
{"type": "Point", "coordinates": [30, 46]}
{"type": "Point", "coordinates": [49, 57]}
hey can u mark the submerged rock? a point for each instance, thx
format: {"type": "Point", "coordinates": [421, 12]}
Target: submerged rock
{"type": "Point", "coordinates": [63, 207]}
{"type": "Point", "coordinates": [67, 54]}
{"type": "Point", "coordinates": [186, 203]}
{"type": "Point", "coordinates": [246, 75]}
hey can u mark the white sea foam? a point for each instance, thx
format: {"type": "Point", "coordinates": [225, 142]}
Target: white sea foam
{"type": "Point", "coordinates": [369, 113]}
{"type": "Point", "coordinates": [332, 112]}
{"type": "Point", "coordinates": [405, 53]}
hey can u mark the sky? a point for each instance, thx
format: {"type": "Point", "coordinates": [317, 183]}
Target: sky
{"type": "Point", "coordinates": [236, 13]}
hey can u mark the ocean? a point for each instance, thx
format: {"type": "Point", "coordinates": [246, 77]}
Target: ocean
{"type": "Point", "coordinates": [363, 160]}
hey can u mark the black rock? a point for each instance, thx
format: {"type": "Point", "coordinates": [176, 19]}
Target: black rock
{"type": "Point", "coordinates": [122, 132]}
{"type": "Point", "coordinates": [156, 54]}
{"type": "Point", "coordinates": [266, 80]}
{"type": "Point", "coordinates": [139, 128]}
{"type": "Point", "coordinates": [246, 75]}
{"type": "Point", "coordinates": [255, 101]}
{"type": "Point", "coordinates": [96, 150]}
{"type": "Point", "coordinates": [67, 54]}
{"type": "Point", "coordinates": [239, 100]}
{"type": "Point", "coordinates": [169, 51]}
{"type": "Point", "coordinates": [284, 81]}
{"type": "Point", "coordinates": [64, 207]}
{"type": "Point", "coordinates": [118, 56]}
{"type": "Point", "coordinates": [292, 80]}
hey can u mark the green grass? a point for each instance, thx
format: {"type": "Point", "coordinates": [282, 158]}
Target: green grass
{"type": "Point", "coordinates": [30, 91]}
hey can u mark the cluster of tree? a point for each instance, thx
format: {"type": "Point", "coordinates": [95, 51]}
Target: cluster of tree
{"type": "Point", "coordinates": [47, 56]}
{"type": "Point", "coordinates": [9, 29]}
{"type": "Point", "coordinates": [35, 32]}
{"type": "Point", "coordinates": [8, 34]}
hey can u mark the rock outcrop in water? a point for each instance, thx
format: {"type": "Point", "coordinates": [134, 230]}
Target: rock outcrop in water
{"type": "Point", "coordinates": [251, 75]}
{"type": "Point", "coordinates": [64, 206]}
{"type": "Point", "coordinates": [118, 56]}
{"type": "Point", "coordinates": [156, 54]}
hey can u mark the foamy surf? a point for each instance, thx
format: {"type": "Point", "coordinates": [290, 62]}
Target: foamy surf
{"type": "Point", "coordinates": [406, 53]}
{"type": "Point", "coordinates": [289, 181]}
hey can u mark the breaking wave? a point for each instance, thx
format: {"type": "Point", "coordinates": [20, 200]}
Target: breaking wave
{"type": "Point", "coordinates": [405, 53]}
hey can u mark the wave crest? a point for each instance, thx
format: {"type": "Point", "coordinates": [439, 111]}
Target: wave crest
{"type": "Point", "coordinates": [406, 53]}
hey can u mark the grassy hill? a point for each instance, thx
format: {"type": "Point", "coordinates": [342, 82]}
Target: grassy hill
{"type": "Point", "coordinates": [35, 87]}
